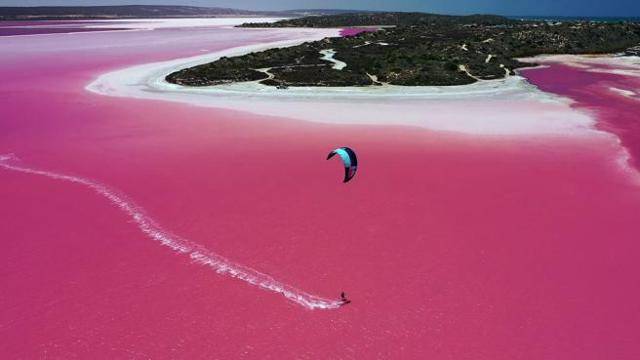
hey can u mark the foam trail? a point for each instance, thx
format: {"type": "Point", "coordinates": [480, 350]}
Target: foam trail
{"type": "Point", "coordinates": [197, 253]}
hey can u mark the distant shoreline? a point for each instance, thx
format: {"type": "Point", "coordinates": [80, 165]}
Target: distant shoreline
{"type": "Point", "coordinates": [575, 18]}
{"type": "Point", "coordinates": [114, 12]}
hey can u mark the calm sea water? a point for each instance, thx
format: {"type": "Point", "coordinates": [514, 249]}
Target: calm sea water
{"type": "Point", "coordinates": [573, 18]}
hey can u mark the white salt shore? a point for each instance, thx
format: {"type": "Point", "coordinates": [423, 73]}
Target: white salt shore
{"type": "Point", "coordinates": [170, 23]}
{"type": "Point", "coordinates": [508, 106]}
{"type": "Point", "coordinates": [620, 65]}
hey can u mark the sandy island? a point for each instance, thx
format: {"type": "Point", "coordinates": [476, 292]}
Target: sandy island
{"type": "Point", "coordinates": [548, 114]}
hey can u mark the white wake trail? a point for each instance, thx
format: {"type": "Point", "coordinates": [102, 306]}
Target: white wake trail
{"type": "Point", "coordinates": [196, 252]}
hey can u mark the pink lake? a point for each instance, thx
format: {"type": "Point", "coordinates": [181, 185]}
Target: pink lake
{"type": "Point", "coordinates": [353, 31]}
{"type": "Point", "coordinates": [14, 28]}
{"type": "Point", "coordinates": [450, 245]}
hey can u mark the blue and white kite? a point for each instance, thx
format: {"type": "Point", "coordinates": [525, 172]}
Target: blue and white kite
{"type": "Point", "coordinates": [349, 160]}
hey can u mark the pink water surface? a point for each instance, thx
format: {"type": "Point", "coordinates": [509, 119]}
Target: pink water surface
{"type": "Point", "coordinates": [13, 28]}
{"type": "Point", "coordinates": [592, 91]}
{"type": "Point", "coordinates": [43, 30]}
{"type": "Point", "coordinates": [450, 246]}
{"type": "Point", "coordinates": [353, 31]}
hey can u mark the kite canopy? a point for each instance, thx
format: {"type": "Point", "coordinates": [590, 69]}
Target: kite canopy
{"type": "Point", "coordinates": [349, 160]}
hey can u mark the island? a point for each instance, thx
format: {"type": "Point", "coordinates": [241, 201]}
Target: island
{"type": "Point", "coordinates": [411, 49]}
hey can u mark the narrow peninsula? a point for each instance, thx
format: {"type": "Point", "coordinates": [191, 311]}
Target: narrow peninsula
{"type": "Point", "coordinates": [412, 49]}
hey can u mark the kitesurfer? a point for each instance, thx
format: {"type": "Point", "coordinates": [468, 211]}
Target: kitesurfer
{"type": "Point", "coordinates": [343, 299]}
